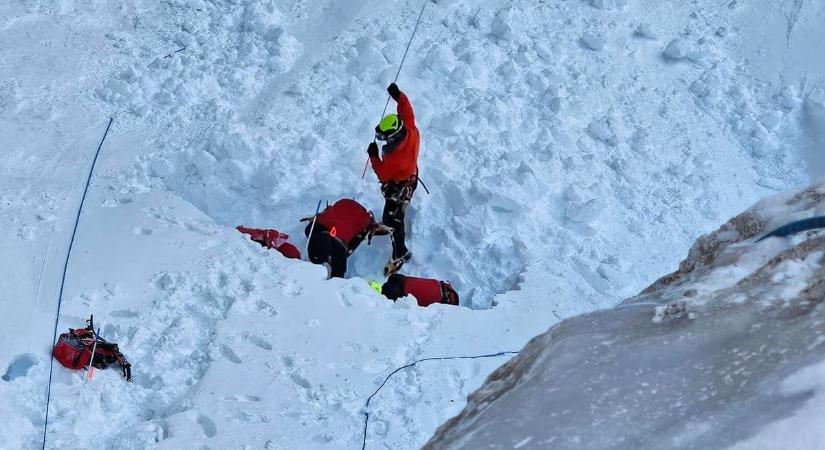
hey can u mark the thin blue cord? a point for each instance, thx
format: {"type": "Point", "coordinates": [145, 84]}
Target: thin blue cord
{"type": "Point", "coordinates": [63, 280]}
{"type": "Point", "coordinates": [437, 358]}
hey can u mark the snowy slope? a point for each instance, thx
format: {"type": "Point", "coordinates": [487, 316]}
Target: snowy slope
{"type": "Point", "coordinates": [573, 154]}
{"type": "Point", "coordinates": [727, 352]}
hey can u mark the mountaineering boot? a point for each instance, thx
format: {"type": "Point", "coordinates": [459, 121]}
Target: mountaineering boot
{"type": "Point", "coordinates": [395, 264]}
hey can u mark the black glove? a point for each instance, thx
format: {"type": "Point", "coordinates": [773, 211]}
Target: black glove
{"type": "Point", "coordinates": [394, 91]}
{"type": "Point", "coordinates": [372, 150]}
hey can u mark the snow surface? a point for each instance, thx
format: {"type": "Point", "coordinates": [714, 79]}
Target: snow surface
{"type": "Point", "coordinates": [570, 162]}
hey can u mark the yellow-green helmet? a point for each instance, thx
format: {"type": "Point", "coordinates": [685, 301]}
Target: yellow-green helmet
{"type": "Point", "coordinates": [389, 128]}
{"type": "Point", "coordinates": [376, 286]}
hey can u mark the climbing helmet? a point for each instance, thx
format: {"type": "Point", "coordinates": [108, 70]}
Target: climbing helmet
{"type": "Point", "coordinates": [389, 128]}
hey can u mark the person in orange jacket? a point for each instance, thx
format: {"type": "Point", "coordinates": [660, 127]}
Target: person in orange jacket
{"type": "Point", "coordinates": [397, 170]}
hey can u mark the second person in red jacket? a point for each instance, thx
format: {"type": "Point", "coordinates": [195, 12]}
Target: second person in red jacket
{"type": "Point", "coordinates": [337, 231]}
{"type": "Point", "coordinates": [397, 170]}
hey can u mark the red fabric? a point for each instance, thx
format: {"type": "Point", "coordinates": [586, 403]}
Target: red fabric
{"type": "Point", "coordinates": [425, 290]}
{"type": "Point", "coordinates": [289, 250]}
{"type": "Point", "coordinates": [345, 219]}
{"type": "Point", "coordinates": [402, 163]}
{"type": "Point", "coordinates": [272, 239]}
{"type": "Point", "coordinates": [71, 352]}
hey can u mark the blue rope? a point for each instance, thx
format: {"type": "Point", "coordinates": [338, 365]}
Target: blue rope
{"type": "Point", "coordinates": [437, 358]}
{"type": "Point", "coordinates": [63, 280]}
{"type": "Point", "coordinates": [796, 227]}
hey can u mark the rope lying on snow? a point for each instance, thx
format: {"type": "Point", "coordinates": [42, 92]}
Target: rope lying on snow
{"type": "Point", "coordinates": [65, 268]}
{"type": "Point", "coordinates": [437, 358]}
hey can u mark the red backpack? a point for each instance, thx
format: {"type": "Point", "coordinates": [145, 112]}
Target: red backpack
{"type": "Point", "coordinates": [347, 221]}
{"type": "Point", "coordinates": [75, 348]}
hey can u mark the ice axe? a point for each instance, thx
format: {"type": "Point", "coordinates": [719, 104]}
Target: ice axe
{"type": "Point", "coordinates": [312, 227]}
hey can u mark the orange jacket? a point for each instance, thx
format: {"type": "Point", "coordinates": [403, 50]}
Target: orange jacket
{"type": "Point", "coordinates": [402, 163]}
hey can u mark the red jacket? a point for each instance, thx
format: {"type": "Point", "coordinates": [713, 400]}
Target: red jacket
{"type": "Point", "coordinates": [402, 163]}
{"type": "Point", "coordinates": [346, 219]}
{"type": "Point", "coordinates": [426, 291]}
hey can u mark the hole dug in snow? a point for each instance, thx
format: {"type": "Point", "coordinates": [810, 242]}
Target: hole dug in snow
{"type": "Point", "coordinates": [464, 237]}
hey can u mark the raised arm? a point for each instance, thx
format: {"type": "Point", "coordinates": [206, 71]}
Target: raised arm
{"type": "Point", "coordinates": [405, 109]}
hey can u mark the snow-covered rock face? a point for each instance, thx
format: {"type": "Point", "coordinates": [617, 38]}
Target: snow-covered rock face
{"type": "Point", "coordinates": [729, 349]}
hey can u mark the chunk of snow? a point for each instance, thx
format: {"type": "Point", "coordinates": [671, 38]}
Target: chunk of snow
{"type": "Point", "coordinates": [601, 130]}
{"type": "Point", "coordinates": [645, 30]}
{"type": "Point", "coordinates": [593, 40]}
{"type": "Point", "coordinates": [771, 119]}
{"type": "Point", "coordinates": [502, 25]}
{"type": "Point", "coordinates": [676, 49]}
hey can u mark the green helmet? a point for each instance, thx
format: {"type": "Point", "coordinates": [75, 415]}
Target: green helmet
{"type": "Point", "coordinates": [375, 286]}
{"type": "Point", "coordinates": [389, 127]}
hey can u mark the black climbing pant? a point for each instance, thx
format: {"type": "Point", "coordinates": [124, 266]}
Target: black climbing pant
{"type": "Point", "coordinates": [397, 195]}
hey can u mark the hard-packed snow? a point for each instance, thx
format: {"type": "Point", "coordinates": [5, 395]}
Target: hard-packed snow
{"type": "Point", "coordinates": [571, 160]}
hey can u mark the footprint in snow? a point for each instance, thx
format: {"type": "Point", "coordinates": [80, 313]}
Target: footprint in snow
{"type": "Point", "coordinates": [243, 398]}
{"type": "Point", "coordinates": [301, 381]}
{"type": "Point", "coordinates": [343, 300]}
{"type": "Point", "coordinates": [380, 427]}
{"type": "Point", "coordinates": [259, 341]}
{"type": "Point", "coordinates": [230, 354]}
{"type": "Point", "coordinates": [19, 366]}
{"type": "Point", "coordinates": [291, 288]}
{"type": "Point", "coordinates": [124, 314]}
{"type": "Point", "coordinates": [142, 231]}
{"type": "Point", "coordinates": [208, 426]}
